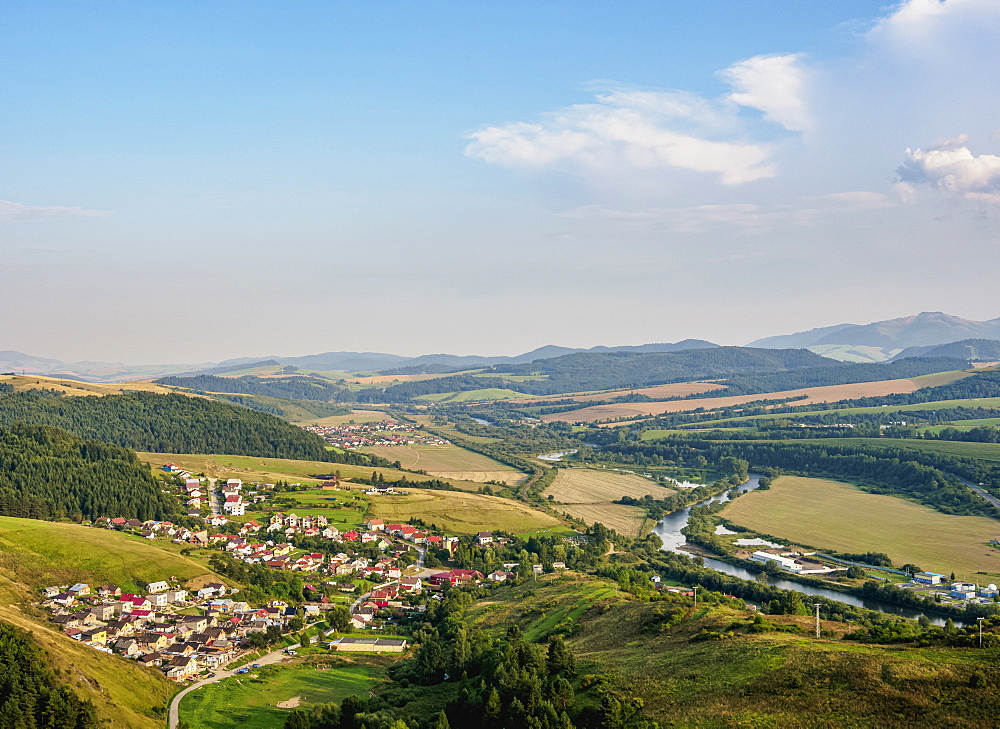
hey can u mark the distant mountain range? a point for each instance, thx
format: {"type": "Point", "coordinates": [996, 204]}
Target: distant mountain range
{"type": "Point", "coordinates": [883, 340]}
{"type": "Point", "coordinates": [18, 362]}
{"type": "Point", "coordinates": [920, 335]}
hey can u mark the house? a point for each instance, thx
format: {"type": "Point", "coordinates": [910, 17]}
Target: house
{"type": "Point", "coordinates": [410, 584]}
{"type": "Point", "coordinates": [456, 577]}
{"type": "Point", "coordinates": [375, 525]}
{"type": "Point", "coordinates": [157, 586]}
{"type": "Point", "coordinates": [158, 600]}
{"type": "Point", "coordinates": [500, 576]}
{"type": "Point", "coordinates": [483, 538]}
{"type": "Point", "coordinates": [181, 667]}
{"type": "Point", "coordinates": [80, 588]}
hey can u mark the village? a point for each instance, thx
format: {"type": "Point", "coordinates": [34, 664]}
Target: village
{"type": "Point", "coordinates": [382, 433]}
{"type": "Point", "coordinates": [367, 579]}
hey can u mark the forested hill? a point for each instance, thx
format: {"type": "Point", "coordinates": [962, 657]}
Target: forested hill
{"type": "Point", "coordinates": [300, 387]}
{"type": "Point", "coordinates": [146, 421]}
{"type": "Point", "coordinates": [46, 473]}
{"type": "Point", "coordinates": [614, 370]}
{"type": "Point", "coordinates": [30, 695]}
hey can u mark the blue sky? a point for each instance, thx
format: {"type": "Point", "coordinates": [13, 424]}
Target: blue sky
{"type": "Point", "coordinates": [194, 181]}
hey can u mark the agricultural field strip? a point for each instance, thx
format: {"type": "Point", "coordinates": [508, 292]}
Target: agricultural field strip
{"type": "Point", "coordinates": [825, 393]}
{"type": "Point", "coordinates": [985, 402]}
{"type": "Point", "coordinates": [626, 520]}
{"type": "Point", "coordinates": [679, 389]}
{"type": "Point", "coordinates": [833, 515]}
{"type": "Point", "coordinates": [437, 458]}
{"type": "Point", "coordinates": [583, 486]}
{"type": "Point", "coordinates": [460, 512]}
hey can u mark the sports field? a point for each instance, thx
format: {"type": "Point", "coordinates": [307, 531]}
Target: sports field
{"type": "Point", "coordinates": [591, 485]}
{"type": "Point", "coordinates": [448, 461]}
{"type": "Point", "coordinates": [834, 515]}
{"type": "Point", "coordinates": [251, 701]}
{"type": "Point", "coordinates": [626, 520]}
{"type": "Point", "coordinates": [827, 393]}
{"type": "Point", "coordinates": [461, 513]}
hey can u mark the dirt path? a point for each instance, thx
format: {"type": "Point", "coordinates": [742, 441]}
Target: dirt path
{"type": "Point", "coordinates": [292, 703]}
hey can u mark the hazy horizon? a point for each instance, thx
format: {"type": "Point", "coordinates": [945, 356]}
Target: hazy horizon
{"type": "Point", "coordinates": [295, 178]}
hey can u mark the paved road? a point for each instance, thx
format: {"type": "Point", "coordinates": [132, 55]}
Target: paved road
{"type": "Point", "coordinates": [213, 497]}
{"type": "Point", "coordinates": [174, 717]}
{"type": "Point", "coordinates": [982, 492]}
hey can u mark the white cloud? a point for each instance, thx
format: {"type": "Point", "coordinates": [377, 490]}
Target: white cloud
{"type": "Point", "coordinates": [952, 169]}
{"type": "Point", "coordinates": [13, 211]}
{"type": "Point", "coordinates": [773, 84]}
{"type": "Point", "coordinates": [660, 129]}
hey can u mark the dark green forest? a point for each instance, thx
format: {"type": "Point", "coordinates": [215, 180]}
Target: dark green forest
{"type": "Point", "coordinates": [46, 473]}
{"type": "Point", "coordinates": [146, 421]}
{"type": "Point", "coordinates": [30, 695]}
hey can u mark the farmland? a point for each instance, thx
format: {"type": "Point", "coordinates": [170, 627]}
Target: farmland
{"type": "Point", "coordinates": [679, 389]}
{"type": "Point", "coordinates": [629, 521]}
{"type": "Point", "coordinates": [834, 515]}
{"type": "Point", "coordinates": [253, 468]}
{"type": "Point", "coordinates": [826, 393]}
{"type": "Point", "coordinates": [250, 701]}
{"type": "Point", "coordinates": [488, 393]}
{"type": "Point", "coordinates": [586, 485]}
{"type": "Point", "coordinates": [461, 513]}
{"type": "Point", "coordinates": [448, 461]}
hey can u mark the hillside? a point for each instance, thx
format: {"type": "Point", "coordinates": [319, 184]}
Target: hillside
{"type": "Point", "coordinates": [983, 350]}
{"type": "Point", "coordinates": [35, 553]}
{"type": "Point", "coordinates": [169, 423]}
{"type": "Point", "coordinates": [46, 473]}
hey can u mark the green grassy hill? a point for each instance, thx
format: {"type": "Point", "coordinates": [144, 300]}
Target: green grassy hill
{"type": "Point", "coordinates": [34, 554]}
{"type": "Point", "coordinates": [782, 677]}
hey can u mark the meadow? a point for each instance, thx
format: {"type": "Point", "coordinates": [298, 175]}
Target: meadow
{"type": "Point", "coordinates": [85, 389]}
{"type": "Point", "coordinates": [591, 485]}
{"type": "Point", "coordinates": [834, 515]}
{"type": "Point", "coordinates": [35, 553]}
{"type": "Point", "coordinates": [826, 393]}
{"type": "Point", "coordinates": [677, 389]}
{"type": "Point", "coordinates": [487, 393]}
{"type": "Point", "coordinates": [461, 513]}
{"type": "Point", "coordinates": [250, 701]}
{"type": "Point", "coordinates": [448, 461]}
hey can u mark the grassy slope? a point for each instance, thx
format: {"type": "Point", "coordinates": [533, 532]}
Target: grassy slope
{"type": "Point", "coordinates": [37, 553]}
{"type": "Point", "coordinates": [833, 515]}
{"type": "Point", "coordinates": [771, 680]}
{"type": "Point", "coordinates": [448, 461]}
{"type": "Point", "coordinates": [73, 387]}
{"type": "Point", "coordinates": [250, 701]}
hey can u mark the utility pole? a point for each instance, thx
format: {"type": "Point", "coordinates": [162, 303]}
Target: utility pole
{"type": "Point", "coordinates": [696, 598]}
{"type": "Point", "coordinates": [817, 618]}
{"type": "Point", "coordinates": [980, 621]}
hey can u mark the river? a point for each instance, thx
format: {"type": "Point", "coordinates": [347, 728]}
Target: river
{"type": "Point", "coordinates": [669, 531]}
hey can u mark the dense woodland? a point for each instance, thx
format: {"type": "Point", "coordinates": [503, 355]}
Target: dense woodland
{"type": "Point", "coordinates": [46, 473]}
{"type": "Point", "coordinates": [30, 695]}
{"type": "Point", "coordinates": [146, 421]}
{"type": "Point", "coordinates": [297, 387]}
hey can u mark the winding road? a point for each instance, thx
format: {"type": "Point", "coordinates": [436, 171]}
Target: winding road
{"type": "Point", "coordinates": [175, 702]}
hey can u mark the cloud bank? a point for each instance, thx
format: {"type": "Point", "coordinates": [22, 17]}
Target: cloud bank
{"type": "Point", "coordinates": [661, 129]}
{"type": "Point", "coordinates": [14, 211]}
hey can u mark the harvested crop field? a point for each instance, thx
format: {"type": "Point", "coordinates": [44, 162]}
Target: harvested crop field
{"type": "Point", "coordinates": [385, 379]}
{"type": "Point", "coordinates": [828, 393]}
{"type": "Point", "coordinates": [447, 461]}
{"type": "Point", "coordinates": [626, 520]}
{"type": "Point", "coordinates": [461, 513]}
{"type": "Point", "coordinates": [834, 515]}
{"type": "Point", "coordinates": [591, 486]}
{"type": "Point", "coordinates": [677, 389]}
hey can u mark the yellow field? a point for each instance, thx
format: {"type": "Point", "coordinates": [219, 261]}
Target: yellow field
{"type": "Point", "coordinates": [833, 515]}
{"type": "Point", "coordinates": [269, 470]}
{"type": "Point", "coordinates": [385, 379]}
{"type": "Point", "coordinates": [828, 393]}
{"type": "Point", "coordinates": [626, 520]}
{"type": "Point", "coordinates": [461, 513]}
{"type": "Point", "coordinates": [678, 389]}
{"type": "Point", "coordinates": [591, 486]}
{"type": "Point", "coordinates": [73, 387]}
{"type": "Point", "coordinates": [449, 461]}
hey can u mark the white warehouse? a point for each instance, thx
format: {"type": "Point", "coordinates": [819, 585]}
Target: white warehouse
{"type": "Point", "coordinates": [786, 563]}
